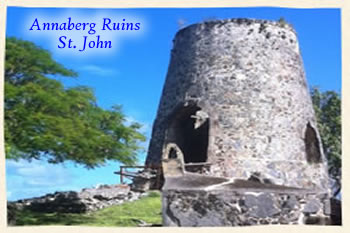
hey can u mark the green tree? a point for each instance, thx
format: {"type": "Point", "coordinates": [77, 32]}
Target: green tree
{"type": "Point", "coordinates": [45, 120]}
{"type": "Point", "coordinates": [327, 107]}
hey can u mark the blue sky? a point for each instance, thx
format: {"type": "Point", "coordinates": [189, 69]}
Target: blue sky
{"type": "Point", "coordinates": [133, 72]}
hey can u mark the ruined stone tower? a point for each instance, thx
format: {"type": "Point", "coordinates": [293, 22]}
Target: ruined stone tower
{"type": "Point", "coordinates": [236, 97]}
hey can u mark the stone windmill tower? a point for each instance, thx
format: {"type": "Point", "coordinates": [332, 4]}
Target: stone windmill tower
{"type": "Point", "coordinates": [236, 97]}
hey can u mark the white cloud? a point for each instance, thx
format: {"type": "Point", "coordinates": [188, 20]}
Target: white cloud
{"type": "Point", "coordinates": [146, 127]}
{"type": "Point", "coordinates": [25, 179]}
{"type": "Point", "coordinates": [33, 171]}
{"type": "Point", "coordinates": [98, 70]}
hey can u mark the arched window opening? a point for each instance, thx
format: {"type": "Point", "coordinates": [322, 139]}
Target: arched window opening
{"type": "Point", "coordinates": [172, 154]}
{"type": "Point", "coordinates": [312, 145]}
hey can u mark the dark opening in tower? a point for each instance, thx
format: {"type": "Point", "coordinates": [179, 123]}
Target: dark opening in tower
{"type": "Point", "coordinates": [189, 130]}
{"type": "Point", "coordinates": [312, 145]}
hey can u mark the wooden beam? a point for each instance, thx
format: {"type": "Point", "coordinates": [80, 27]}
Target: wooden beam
{"type": "Point", "coordinates": [131, 175]}
{"type": "Point", "coordinates": [121, 175]}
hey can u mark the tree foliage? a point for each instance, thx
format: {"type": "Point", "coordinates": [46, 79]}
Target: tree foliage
{"type": "Point", "coordinates": [43, 119]}
{"type": "Point", "coordinates": [327, 107]}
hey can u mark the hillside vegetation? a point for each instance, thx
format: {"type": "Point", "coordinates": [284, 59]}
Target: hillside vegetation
{"type": "Point", "coordinates": [147, 210]}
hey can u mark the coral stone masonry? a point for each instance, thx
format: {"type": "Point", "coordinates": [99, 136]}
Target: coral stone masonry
{"type": "Point", "coordinates": [236, 97]}
{"type": "Point", "coordinates": [236, 102]}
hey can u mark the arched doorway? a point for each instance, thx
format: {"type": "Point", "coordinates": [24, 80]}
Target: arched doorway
{"type": "Point", "coordinates": [189, 130]}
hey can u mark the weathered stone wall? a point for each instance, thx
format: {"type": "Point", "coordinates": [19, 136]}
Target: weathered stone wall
{"type": "Point", "coordinates": [246, 79]}
{"type": "Point", "coordinates": [241, 208]}
{"type": "Point", "coordinates": [89, 199]}
{"type": "Point", "coordinates": [191, 199]}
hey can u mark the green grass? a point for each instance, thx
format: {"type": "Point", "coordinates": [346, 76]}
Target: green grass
{"type": "Point", "coordinates": [147, 209]}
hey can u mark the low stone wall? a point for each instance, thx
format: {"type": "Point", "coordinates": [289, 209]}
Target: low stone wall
{"type": "Point", "coordinates": [86, 200]}
{"type": "Point", "coordinates": [241, 208]}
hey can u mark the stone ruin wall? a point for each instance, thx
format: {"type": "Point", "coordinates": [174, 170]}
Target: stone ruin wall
{"type": "Point", "coordinates": [244, 208]}
{"type": "Point", "coordinates": [242, 83]}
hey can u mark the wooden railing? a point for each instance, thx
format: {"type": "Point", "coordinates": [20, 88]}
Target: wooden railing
{"type": "Point", "coordinates": [124, 173]}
